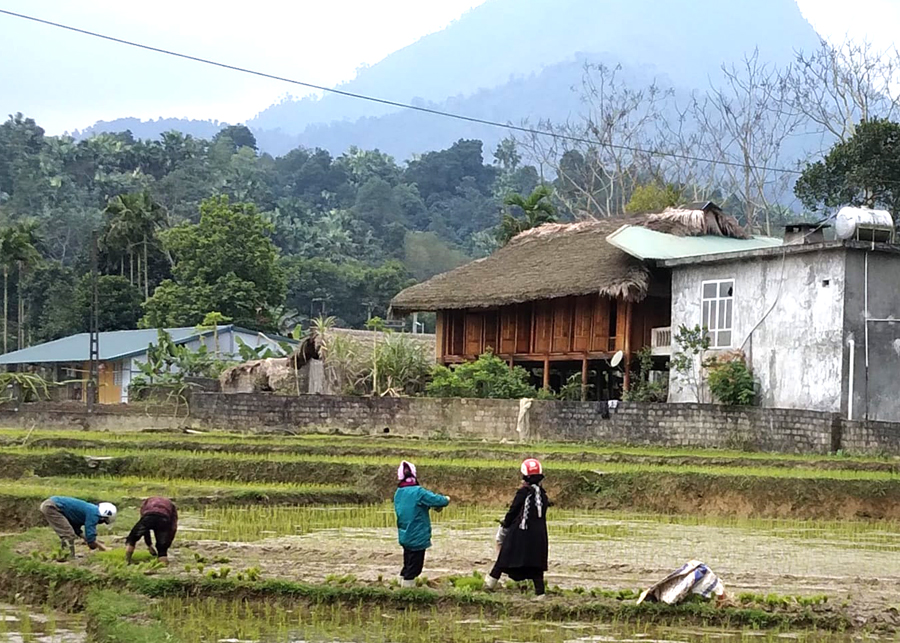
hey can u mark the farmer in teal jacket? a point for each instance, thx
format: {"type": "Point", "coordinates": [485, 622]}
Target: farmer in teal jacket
{"type": "Point", "coordinates": [411, 504]}
{"type": "Point", "coordinates": [68, 516]}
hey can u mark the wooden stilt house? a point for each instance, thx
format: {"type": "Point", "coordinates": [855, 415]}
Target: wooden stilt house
{"type": "Point", "coordinates": [561, 299]}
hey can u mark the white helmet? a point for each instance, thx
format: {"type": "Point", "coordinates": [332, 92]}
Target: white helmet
{"type": "Point", "coordinates": [108, 511]}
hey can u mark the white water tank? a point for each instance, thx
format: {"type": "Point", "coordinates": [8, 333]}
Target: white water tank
{"type": "Point", "coordinates": [864, 224]}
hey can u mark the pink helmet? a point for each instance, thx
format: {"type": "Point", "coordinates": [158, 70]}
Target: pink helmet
{"type": "Point", "coordinates": [531, 467]}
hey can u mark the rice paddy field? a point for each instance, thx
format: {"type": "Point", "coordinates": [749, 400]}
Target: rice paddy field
{"type": "Point", "coordinates": [292, 538]}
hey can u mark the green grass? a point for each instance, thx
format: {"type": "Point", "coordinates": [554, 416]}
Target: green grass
{"type": "Point", "coordinates": [423, 463]}
{"type": "Point", "coordinates": [15, 437]}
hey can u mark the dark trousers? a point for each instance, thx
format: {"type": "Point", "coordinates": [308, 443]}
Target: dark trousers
{"type": "Point", "coordinates": [413, 561]}
{"type": "Point", "coordinates": [534, 574]}
{"type": "Point", "coordinates": [160, 525]}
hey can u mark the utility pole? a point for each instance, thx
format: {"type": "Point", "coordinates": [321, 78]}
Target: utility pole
{"type": "Point", "coordinates": [93, 383]}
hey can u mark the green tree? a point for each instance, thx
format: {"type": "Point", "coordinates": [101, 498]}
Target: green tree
{"type": "Point", "coordinates": [226, 262]}
{"type": "Point", "coordinates": [536, 209]}
{"type": "Point", "coordinates": [653, 198]}
{"type": "Point", "coordinates": [17, 248]}
{"type": "Point", "coordinates": [350, 291]}
{"type": "Point", "coordinates": [425, 255]}
{"type": "Point", "coordinates": [132, 223]}
{"type": "Point", "coordinates": [864, 170]}
{"type": "Point", "coordinates": [120, 303]}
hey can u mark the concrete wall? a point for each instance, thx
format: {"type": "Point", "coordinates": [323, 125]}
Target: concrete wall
{"type": "Point", "coordinates": [876, 395]}
{"type": "Point", "coordinates": [683, 425]}
{"type": "Point", "coordinates": [660, 425]}
{"type": "Point", "coordinates": [795, 353]}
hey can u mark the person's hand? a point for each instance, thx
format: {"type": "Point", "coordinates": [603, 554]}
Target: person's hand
{"type": "Point", "coordinates": [152, 551]}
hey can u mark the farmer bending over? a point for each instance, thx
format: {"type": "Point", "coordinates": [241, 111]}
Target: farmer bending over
{"type": "Point", "coordinates": [411, 504]}
{"type": "Point", "coordinates": [159, 516]}
{"type": "Point", "coordinates": [67, 516]}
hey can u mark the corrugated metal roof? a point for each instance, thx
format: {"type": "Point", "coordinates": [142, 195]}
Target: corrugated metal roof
{"type": "Point", "coordinates": [645, 244]}
{"type": "Point", "coordinates": [113, 345]}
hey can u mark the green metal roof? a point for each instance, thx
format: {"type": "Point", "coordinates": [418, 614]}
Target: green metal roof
{"type": "Point", "coordinates": [113, 345]}
{"type": "Point", "coordinates": [645, 244]}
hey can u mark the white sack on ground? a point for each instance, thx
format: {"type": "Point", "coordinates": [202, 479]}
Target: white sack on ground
{"type": "Point", "coordinates": [693, 577]}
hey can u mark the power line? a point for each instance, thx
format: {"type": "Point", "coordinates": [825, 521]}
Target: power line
{"type": "Point", "coordinates": [384, 101]}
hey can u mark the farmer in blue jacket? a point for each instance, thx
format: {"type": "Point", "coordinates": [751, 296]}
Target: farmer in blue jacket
{"type": "Point", "coordinates": [68, 516]}
{"type": "Point", "coordinates": [411, 504]}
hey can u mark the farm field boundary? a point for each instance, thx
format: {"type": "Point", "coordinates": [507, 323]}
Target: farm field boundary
{"type": "Point", "coordinates": [661, 425]}
{"type": "Point", "coordinates": [716, 491]}
{"type": "Point", "coordinates": [74, 588]}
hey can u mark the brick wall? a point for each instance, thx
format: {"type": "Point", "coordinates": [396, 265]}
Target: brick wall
{"type": "Point", "coordinates": [870, 437]}
{"type": "Point", "coordinates": [425, 417]}
{"type": "Point", "coordinates": [688, 425]}
{"type": "Point", "coordinates": [664, 425]}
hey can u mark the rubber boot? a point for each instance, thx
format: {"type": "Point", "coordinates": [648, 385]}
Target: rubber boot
{"type": "Point", "coordinates": [408, 584]}
{"type": "Point", "coordinates": [69, 545]}
{"type": "Point", "coordinates": [490, 583]}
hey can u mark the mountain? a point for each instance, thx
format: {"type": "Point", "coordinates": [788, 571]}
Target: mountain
{"type": "Point", "coordinates": [512, 59]}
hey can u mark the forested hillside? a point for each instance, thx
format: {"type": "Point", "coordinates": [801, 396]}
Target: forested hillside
{"type": "Point", "coordinates": [348, 232]}
{"type": "Point", "coordinates": [509, 60]}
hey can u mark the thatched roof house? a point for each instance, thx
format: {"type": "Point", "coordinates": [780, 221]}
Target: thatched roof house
{"type": "Point", "coordinates": [562, 260]}
{"type": "Point", "coordinates": [573, 293]}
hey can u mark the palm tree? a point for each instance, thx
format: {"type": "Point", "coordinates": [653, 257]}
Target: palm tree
{"type": "Point", "coordinates": [17, 246]}
{"type": "Point", "coordinates": [132, 221]}
{"type": "Point", "coordinates": [536, 208]}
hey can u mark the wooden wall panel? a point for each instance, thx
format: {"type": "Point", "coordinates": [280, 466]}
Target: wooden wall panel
{"type": "Point", "coordinates": [491, 332]}
{"type": "Point", "coordinates": [600, 333]}
{"type": "Point", "coordinates": [508, 330]}
{"type": "Point", "coordinates": [563, 311]}
{"type": "Point", "coordinates": [621, 326]}
{"type": "Point", "coordinates": [523, 328]}
{"type": "Point", "coordinates": [440, 339]}
{"type": "Point", "coordinates": [543, 327]}
{"type": "Point", "coordinates": [581, 337]}
{"type": "Point", "coordinates": [474, 330]}
{"type": "Point", "coordinates": [457, 344]}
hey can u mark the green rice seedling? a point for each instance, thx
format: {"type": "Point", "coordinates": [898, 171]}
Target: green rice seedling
{"type": "Point", "coordinates": [149, 455]}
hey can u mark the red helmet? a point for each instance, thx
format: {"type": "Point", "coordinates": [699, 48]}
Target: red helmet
{"type": "Point", "coordinates": [531, 467]}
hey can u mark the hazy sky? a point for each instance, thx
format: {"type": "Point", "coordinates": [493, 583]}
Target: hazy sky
{"type": "Point", "coordinates": [68, 81]}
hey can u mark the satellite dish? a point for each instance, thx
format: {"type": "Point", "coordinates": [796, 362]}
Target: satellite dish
{"type": "Point", "coordinates": [617, 358]}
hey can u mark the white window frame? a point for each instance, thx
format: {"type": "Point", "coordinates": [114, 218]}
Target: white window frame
{"type": "Point", "coordinates": [717, 313]}
{"type": "Point", "coordinates": [117, 373]}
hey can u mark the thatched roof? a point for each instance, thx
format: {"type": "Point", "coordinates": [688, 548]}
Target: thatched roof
{"type": "Point", "coordinates": [560, 260]}
{"type": "Point", "coordinates": [692, 221]}
{"type": "Point", "coordinates": [552, 260]}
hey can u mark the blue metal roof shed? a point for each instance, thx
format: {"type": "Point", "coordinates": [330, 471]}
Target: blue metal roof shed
{"type": "Point", "coordinates": [114, 345]}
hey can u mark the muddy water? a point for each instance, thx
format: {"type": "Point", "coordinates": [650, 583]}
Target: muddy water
{"type": "Point", "coordinates": [612, 551]}
{"type": "Point", "coordinates": [22, 624]}
{"type": "Point", "coordinates": [215, 621]}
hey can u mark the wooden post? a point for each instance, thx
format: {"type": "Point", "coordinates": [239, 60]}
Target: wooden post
{"type": "Point", "coordinates": [627, 361]}
{"type": "Point", "coordinates": [584, 376]}
{"type": "Point", "coordinates": [546, 372]}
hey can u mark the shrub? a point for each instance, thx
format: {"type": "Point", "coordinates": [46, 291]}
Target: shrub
{"type": "Point", "coordinates": [643, 390]}
{"type": "Point", "coordinates": [731, 382]}
{"type": "Point", "coordinates": [487, 377]}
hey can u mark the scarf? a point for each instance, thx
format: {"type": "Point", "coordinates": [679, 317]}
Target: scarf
{"type": "Point", "coordinates": [535, 499]}
{"type": "Point", "coordinates": [406, 475]}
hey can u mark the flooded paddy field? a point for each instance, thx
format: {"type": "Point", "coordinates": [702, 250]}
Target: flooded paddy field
{"type": "Point", "coordinates": [294, 539]}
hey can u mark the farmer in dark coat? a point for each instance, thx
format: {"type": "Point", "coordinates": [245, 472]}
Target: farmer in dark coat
{"type": "Point", "coordinates": [160, 516]}
{"type": "Point", "coordinates": [522, 536]}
